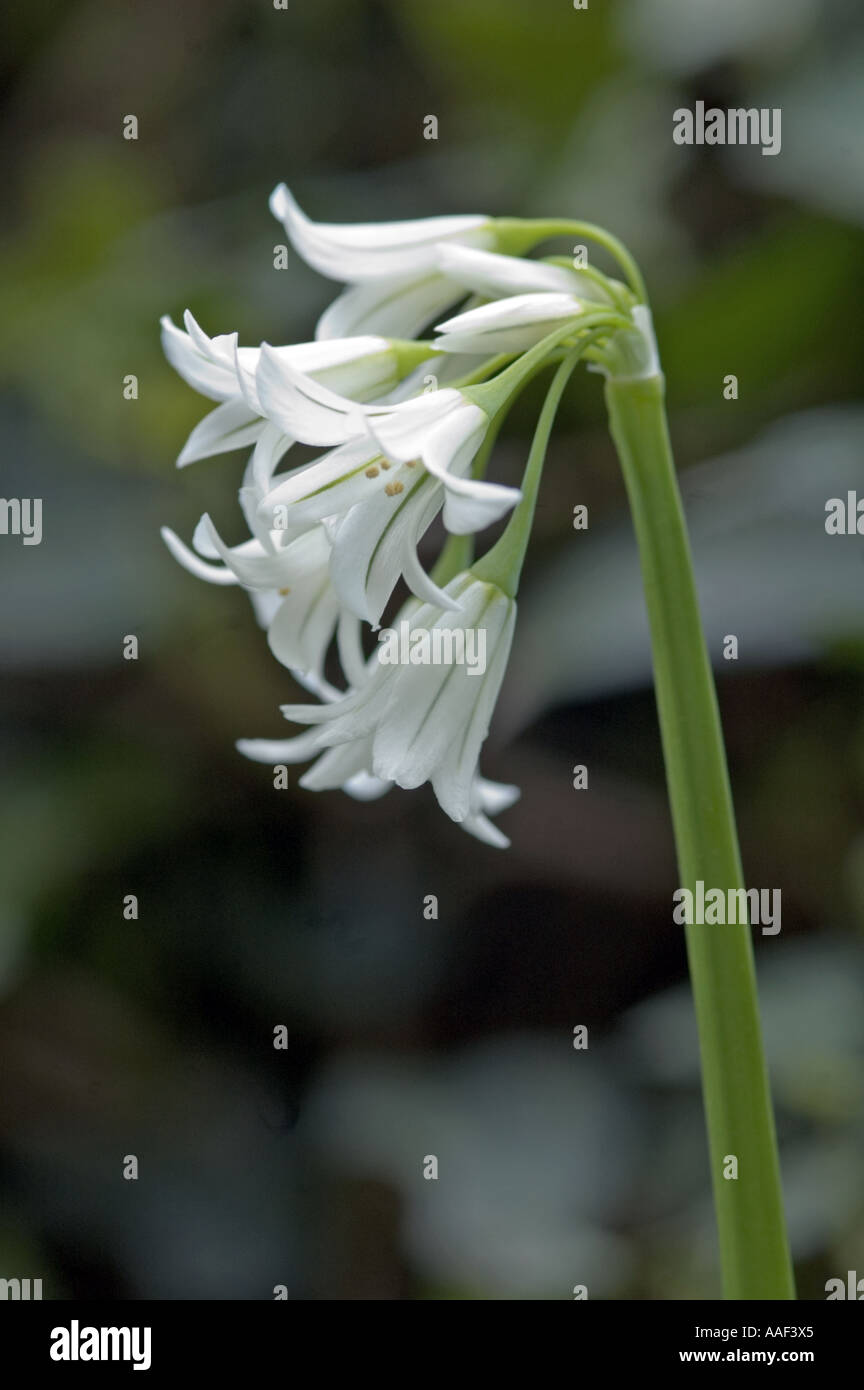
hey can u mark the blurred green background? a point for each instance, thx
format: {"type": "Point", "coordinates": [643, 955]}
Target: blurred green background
{"type": "Point", "coordinates": [303, 1167]}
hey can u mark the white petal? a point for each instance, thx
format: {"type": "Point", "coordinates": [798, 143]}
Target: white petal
{"type": "Point", "coordinates": [202, 539]}
{"type": "Point", "coordinates": [452, 442]}
{"type": "Point", "coordinates": [470, 504]}
{"type": "Point", "coordinates": [338, 766]}
{"type": "Point", "coordinates": [403, 431]}
{"type": "Point", "coordinates": [454, 778]}
{"type": "Point", "coordinates": [507, 325]}
{"type": "Point", "coordinates": [495, 276]}
{"type": "Point", "coordinates": [254, 568]}
{"type": "Point", "coordinates": [361, 367]}
{"type": "Point", "coordinates": [231, 425]}
{"type": "Point", "coordinates": [365, 251]}
{"type": "Point", "coordinates": [351, 655]}
{"type": "Point", "coordinates": [211, 374]}
{"type": "Point", "coordinates": [278, 750]}
{"type": "Point", "coordinates": [328, 487]}
{"type": "Point", "coordinates": [397, 308]}
{"type": "Point", "coordinates": [213, 574]}
{"type": "Point", "coordinates": [302, 406]}
{"type": "Point", "coordinates": [285, 635]}
{"type": "Point", "coordinates": [493, 797]}
{"type": "Point", "coordinates": [364, 787]}
{"type": "Point", "coordinates": [481, 828]}
{"type": "Point", "coordinates": [374, 543]}
{"type": "Point", "coordinates": [265, 603]}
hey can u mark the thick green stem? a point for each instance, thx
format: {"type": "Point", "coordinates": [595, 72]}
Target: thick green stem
{"type": "Point", "coordinates": [754, 1250]}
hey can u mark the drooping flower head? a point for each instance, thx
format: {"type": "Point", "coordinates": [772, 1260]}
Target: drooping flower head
{"type": "Point", "coordinates": [406, 425]}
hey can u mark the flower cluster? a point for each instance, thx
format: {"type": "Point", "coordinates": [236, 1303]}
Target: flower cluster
{"type": "Point", "coordinates": [403, 426]}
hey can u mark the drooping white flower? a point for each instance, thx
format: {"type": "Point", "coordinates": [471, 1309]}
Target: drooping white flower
{"type": "Point", "coordinates": [508, 325]}
{"type": "Point", "coordinates": [364, 367]}
{"type": "Point", "coordinates": [396, 287]}
{"type": "Point", "coordinates": [486, 799]}
{"type": "Point", "coordinates": [379, 488]}
{"type": "Point", "coordinates": [290, 588]}
{"type": "Point", "coordinates": [497, 277]}
{"type": "Point", "coordinates": [424, 720]}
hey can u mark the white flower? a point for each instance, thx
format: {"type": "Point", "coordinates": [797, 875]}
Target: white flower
{"type": "Point", "coordinates": [396, 285]}
{"type": "Point", "coordinates": [496, 277]}
{"type": "Point", "coordinates": [487, 798]}
{"type": "Point", "coordinates": [381, 486]}
{"type": "Point", "coordinates": [508, 325]}
{"type": "Point", "coordinates": [290, 588]}
{"type": "Point", "coordinates": [417, 722]}
{"type": "Point", "coordinates": [365, 367]}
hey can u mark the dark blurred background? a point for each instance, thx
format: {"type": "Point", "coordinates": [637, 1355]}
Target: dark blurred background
{"type": "Point", "coordinates": [407, 1037]}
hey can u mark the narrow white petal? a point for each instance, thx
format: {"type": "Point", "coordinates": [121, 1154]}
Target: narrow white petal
{"type": "Point", "coordinates": [493, 797]}
{"type": "Point", "coordinates": [364, 251]}
{"type": "Point", "coordinates": [452, 442]}
{"type": "Point", "coordinates": [397, 308]}
{"type": "Point", "coordinates": [212, 375]}
{"type": "Point", "coordinates": [213, 574]}
{"type": "Point", "coordinates": [278, 750]}
{"type": "Point", "coordinates": [327, 488]}
{"type": "Point", "coordinates": [453, 781]}
{"type": "Point", "coordinates": [302, 629]}
{"type": "Point", "coordinates": [470, 504]}
{"type": "Point", "coordinates": [302, 406]}
{"type": "Point", "coordinates": [494, 276]}
{"type": "Point", "coordinates": [481, 828]}
{"type": "Point", "coordinates": [338, 766]}
{"type": "Point", "coordinates": [364, 787]}
{"type": "Point", "coordinates": [202, 539]}
{"type": "Point", "coordinates": [402, 432]}
{"type": "Point", "coordinates": [231, 425]}
{"type": "Point", "coordinates": [371, 543]}
{"type": "Point", "coordinates": [265, 603]}
{"type": "Point", "coordinates": [351, 655]}
{"type": "Point", "coordinates": [253, 566]}
{"type": "Point", "coordinates": [507, 325]}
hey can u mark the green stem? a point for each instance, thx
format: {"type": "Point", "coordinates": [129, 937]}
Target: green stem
{"type": "Point", "coordinates": [754, 1250]}
{"type": "Point", "coordinates": [502, 565]}
{"type": "Point", "coordinates": [518, 234]}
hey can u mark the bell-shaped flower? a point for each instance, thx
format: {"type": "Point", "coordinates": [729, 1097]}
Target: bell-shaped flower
{"type": "Point", "coordinates": [379, 488]}
{"type": "Point", "coordinates": [366, 368]}
{"type": "Point", "coordinates": [508, 325]}
{"type": "Point", "coordinates": [422, 710]}
{"type": "Point", "coordinates": [497, 277]}
{"type": "Point", "coordinates": [290, 587]}
{"type": "Point", "coordinates": [396, 286]}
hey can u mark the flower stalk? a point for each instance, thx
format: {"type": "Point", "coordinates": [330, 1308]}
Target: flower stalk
{"type": "Point", "coordinates": [754, 1250]}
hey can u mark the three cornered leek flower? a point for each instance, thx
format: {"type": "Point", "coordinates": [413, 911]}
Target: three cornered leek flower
{"type": "Point", "coordinates": [440, 324]}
